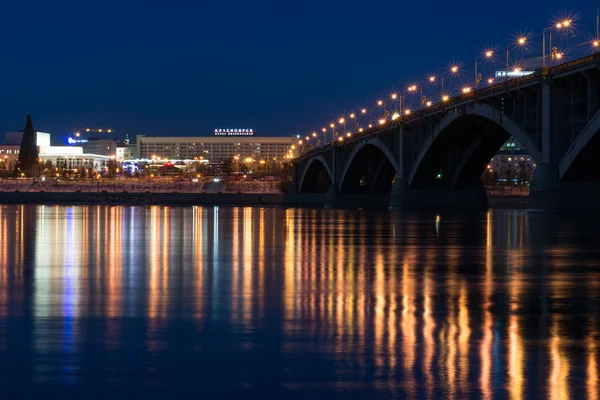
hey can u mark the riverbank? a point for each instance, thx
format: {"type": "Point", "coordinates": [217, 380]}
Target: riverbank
{"type": "Point", "coordinates": [175, 199]}
{"type": "Point", "coordinates": [205, 199]}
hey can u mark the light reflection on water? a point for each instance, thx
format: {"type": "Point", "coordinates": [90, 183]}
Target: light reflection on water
{"type": "Point", "coordinates": [300, 302]}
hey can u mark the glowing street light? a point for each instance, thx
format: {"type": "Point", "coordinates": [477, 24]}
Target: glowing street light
{"type": "Point", "coordinates": [558, 26]}
{"type": "Point", "coordinates": [466, 90]}
{"type": "Point", "coordinates": [487, 55]}
{"type": "Point", "coordinates": [596, 45]}
{"type": "Point", "coordinates": [380, 103]}
{"type": "Point", "coordinates": [432, 78]}
{"type": "Point", "coordinates": [445, 98]}
{"type": "Point", "coordinates": [353, 116]}
{"type": "Point", "coordinates": [395, 116]}
{"type": "Point", "coordinates": [521, 41]}
{"type": "Point", "coordinates": [381, 121]}
{"type": "Point", "coordinates": [429, 103]}
{"type": "Point", "coordinates": [407, 111]}
{"type": "Point", "coordinates": [490, 81]}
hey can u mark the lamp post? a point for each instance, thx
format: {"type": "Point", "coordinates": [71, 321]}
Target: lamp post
{"type": "Point", "coordinates": [559, 25]}
{"type": "Point", "coordinates": [342, 122]}
{"type": "Point", "coordinates": [332, 126]}
{"type": "Point", "coordinates": [364, 111]}
{"type": "Point", "coordinates": [454, 70]}
{"type": "Point", "coordinates": [381, 103]}
{"type": "Point", "coordinates": [597, 25]}
{"type": "Point", "coordinates": [324, 130]}
{"type": "Point", "coordinates": [353, 117]}
{"type": "Point", "coordinates": [413, 89]}
{"type": "Point", "coordinates": [520, 42]}
{"type": "Point", "coordinates": [488, 55]}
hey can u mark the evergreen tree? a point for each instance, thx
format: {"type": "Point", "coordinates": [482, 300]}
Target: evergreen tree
{"type": "Point", "coordinates": [28, 153]}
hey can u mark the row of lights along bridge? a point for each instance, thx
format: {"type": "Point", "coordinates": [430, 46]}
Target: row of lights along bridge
{"type": "Point", "coordinates": [396, 102]}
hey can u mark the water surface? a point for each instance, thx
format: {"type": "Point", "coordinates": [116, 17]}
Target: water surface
{"type": "Point", "coordinates": [102, 301]}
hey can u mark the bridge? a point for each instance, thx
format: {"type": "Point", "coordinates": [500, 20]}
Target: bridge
{"type": "Point", "coordinates": [434, 158]}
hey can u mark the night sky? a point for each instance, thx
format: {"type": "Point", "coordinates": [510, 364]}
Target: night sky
{"type": "Point", "coordinates": [183, 68]}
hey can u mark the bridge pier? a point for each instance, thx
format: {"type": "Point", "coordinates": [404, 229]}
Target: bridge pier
{"type": "Point", "coordinates": [405, 199]}
{"type": "Point", "coordinates": [335, 199]}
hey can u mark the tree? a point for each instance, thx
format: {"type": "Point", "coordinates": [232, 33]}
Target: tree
{"type": "Point", "coordinates": [228, 164]}
{"type": "Point", "coordinates": [28, 153]}
{"type": "Point", "coordinates": [48, 168]}
{"type": "Point", "coordinates": [112, 168]}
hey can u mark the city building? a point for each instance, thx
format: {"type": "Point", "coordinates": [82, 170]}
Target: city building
{"type": "Point", "coordinates": [69, 157]}
{"type": "Point", "coordinates": [15, 138]}
{"type": "Point", "coordinates": [512, 160]}
{"type": "Point", "coordinates": [9, 152]}
{"type": "Point", "coordinates": [72, 157]}
{"type": "Point", "coordinates": [104, 147]}
{"type": "Point", "coordinates": [126, 152]}
{"type": "Point", "coordinates": [216, 148]}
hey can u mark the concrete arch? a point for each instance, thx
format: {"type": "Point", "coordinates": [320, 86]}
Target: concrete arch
{"type": "Point", "coordinates": [362, 144]}
{"type": "Point", "coordinates": [580, 142]}
{"type": "Point", "coordinates": [481, 110]}
{"type": "Point", "coordinates": [320, 159]}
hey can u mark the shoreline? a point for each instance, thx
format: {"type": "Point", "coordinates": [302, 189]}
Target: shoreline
{"type": "Point", "coordinates": [174, 199]}
{"type": "Point", "coordinates": [198, 199]}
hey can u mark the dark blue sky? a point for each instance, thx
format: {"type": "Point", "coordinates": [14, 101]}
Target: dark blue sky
{"type": "Point", "coordinates": [184, 67]}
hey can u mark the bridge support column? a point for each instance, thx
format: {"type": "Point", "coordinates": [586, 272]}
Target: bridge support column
{"type": "Point", "coordinates": [405, 199]}
{"type": "Point", "coordinates": [335, 199]}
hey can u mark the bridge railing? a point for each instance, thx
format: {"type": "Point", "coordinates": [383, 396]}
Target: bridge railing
{"type": "Point", "coordinates": [455, 101]}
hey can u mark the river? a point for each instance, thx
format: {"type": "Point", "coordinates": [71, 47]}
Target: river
{"type": "Point", "coordinates": [119, 302]}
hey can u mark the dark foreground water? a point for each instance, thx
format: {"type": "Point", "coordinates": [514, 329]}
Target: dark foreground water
{"type": "Point", "coordinates": [153, 302]}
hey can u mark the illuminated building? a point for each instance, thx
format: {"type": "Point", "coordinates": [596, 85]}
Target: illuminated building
{"type": "Point", "coordinates": [215, 148]}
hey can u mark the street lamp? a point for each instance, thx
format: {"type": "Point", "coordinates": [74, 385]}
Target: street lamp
{"type": "Point", "coordinates": [521, 41]}
{"type": "Point", "coordinates": [353, 116]}
{"type": "Point", "coordinates": [332, 126]}
{"type": "Point", "coordinates": [381, 103]}
{"type": "Point", "coordinates": [454, 70]}
{"type": "Point", "coordinates": [559, 25]}
{"type": "Point", "coordinates": [394, 97]}
{"type": "Point", "coordinates": [487, 55]}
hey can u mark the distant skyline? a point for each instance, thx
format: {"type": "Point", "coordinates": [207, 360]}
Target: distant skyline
{"type": "Point", "coordinates": [183, 68]}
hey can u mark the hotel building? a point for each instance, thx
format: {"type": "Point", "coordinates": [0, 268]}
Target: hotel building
{"type": "Point", "coordinates": [214, 149]}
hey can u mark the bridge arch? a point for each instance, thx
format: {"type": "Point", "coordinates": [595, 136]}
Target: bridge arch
{"type": "Point", "coordinates": [382, 162]}
{"type": "Point", "coordinates": [579, 159]}
{"type": "Point", "coordinates": [461, 145]}
{"type": "Point", "coordinates": [317, 175]}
